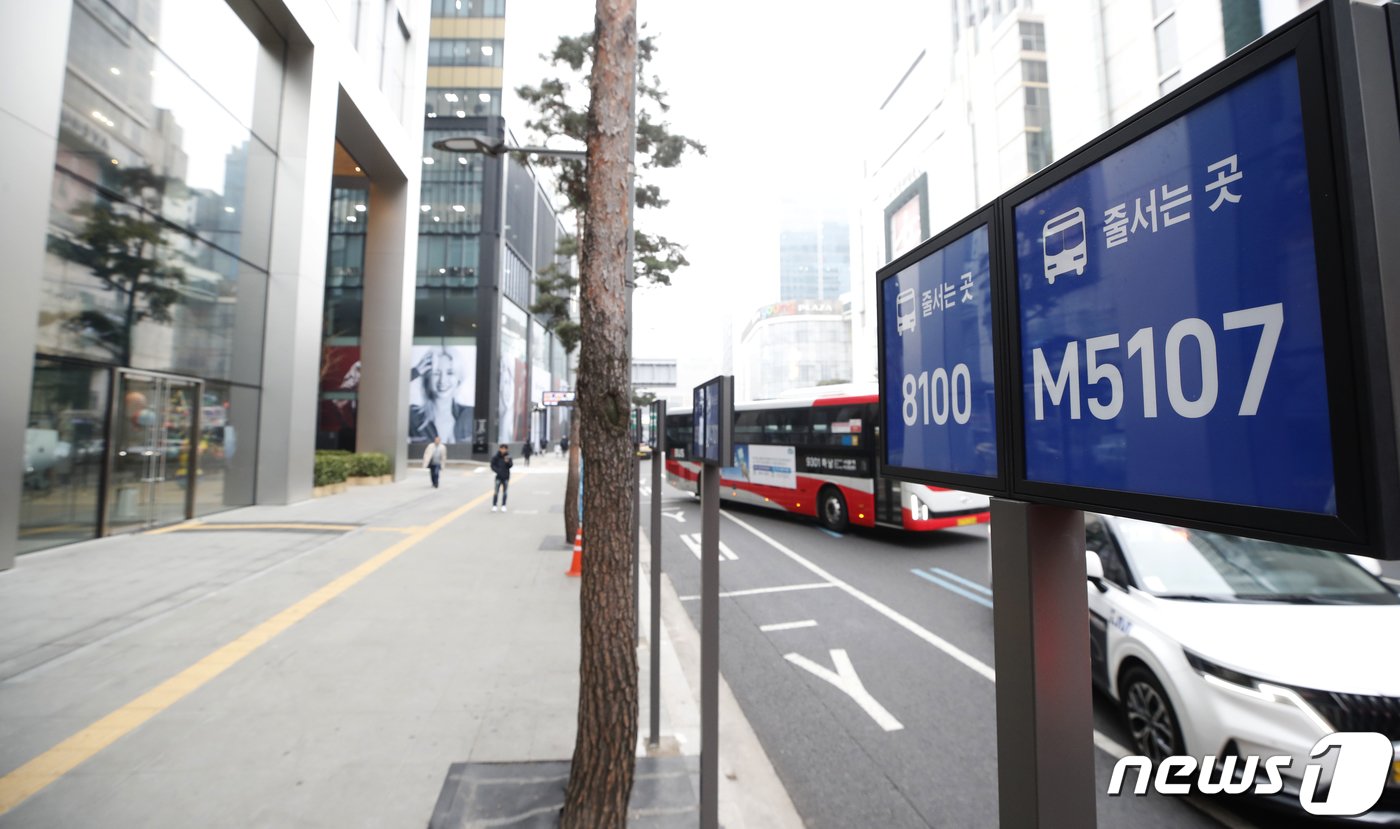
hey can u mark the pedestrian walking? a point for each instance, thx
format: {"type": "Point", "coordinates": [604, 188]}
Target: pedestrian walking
{"type": "Point", "coordinates": [434, 457]}
{"type": "Point", "coordinates": [526, 451]}
{"type": "Point", "coordinates": [501, 464]}
{"type": "Point", "coordinates": [564, 444]}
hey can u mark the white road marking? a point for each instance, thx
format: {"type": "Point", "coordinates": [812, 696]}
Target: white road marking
{"type": "Point", "coordinates": [760, 590]}
{"type": "Point", "coordinates": [678, 515]}
{"type": "Point", "coordinates": [1110, 746]}
{"type": "Point", "coordinates": [908, 624]}
{"type": "Point", "coordinates": [846, 681]}
{"type": "Point", "coordinates": [692, 540]}
{"type": "Point", "coordinates": [808, 623]}
{"type": "Point", "coordinates": [874, 604]}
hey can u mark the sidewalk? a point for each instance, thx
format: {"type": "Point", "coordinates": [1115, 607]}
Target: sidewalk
{"type": "Point", "coordinates": [321, 664]}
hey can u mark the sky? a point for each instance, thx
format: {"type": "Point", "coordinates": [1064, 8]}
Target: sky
{"type": "Point", "coordinates": [779, 91]}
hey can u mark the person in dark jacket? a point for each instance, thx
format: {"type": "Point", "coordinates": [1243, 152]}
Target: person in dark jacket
{"type": "Point", "coordinates": [527, 450]}
{"type": "Point", "coordinates": [501, 464]}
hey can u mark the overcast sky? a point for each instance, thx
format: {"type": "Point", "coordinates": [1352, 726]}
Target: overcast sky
{"type": "Point", "coordinates": [779, 92]}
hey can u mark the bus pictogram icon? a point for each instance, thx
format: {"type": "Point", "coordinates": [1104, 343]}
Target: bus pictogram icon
{"type": "Point", "coordinates": [1065, 245]}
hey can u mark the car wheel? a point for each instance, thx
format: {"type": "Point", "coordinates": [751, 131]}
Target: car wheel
{"type": "Point", "coordinates": [831, 510]}
{"type": "Point", "coordinates": [1151, 719]}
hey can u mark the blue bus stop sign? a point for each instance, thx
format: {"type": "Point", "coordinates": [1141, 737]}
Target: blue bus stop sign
{"type": "Point", "coordinates": [1168, 312]}
{"type": "Point", "coordinates": [937, 365]}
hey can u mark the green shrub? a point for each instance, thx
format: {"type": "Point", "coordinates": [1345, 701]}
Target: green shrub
{"type": "Point", "coordinates": [331, 468]}
{"type": "Point", "coordinates": [369, 465]}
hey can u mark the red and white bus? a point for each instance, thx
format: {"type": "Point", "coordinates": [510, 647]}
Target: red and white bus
{"type": "Point", "coordinates": [815, 456]}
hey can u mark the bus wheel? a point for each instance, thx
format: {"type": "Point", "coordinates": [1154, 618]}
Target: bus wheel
{"type": "Point", "coordinates": [831, 510]}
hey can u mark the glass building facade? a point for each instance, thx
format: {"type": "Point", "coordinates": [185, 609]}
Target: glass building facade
{"type": "Point", "coordinates": [163, 160]}
{"type": "Point", "coordinates": [147, 361]}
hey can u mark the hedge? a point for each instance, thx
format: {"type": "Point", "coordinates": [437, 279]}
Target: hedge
{"type": "Point", "coordinates": [369, 465]}
{"type": "Point", "coordinates": [331, 468]}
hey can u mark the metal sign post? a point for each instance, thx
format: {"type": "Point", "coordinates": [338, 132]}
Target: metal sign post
{"type": "Point", "coordinates": [658, 453]}
{"type": "Point", "coordinates": [712, 418]}
{"type": "Point", "coordinates": [636, 474]}
{"type": "Point", "coordinates": [1045, 710]}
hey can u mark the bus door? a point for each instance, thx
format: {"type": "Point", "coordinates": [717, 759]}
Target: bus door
{"type": "Point", "coordinates": [888, 506]}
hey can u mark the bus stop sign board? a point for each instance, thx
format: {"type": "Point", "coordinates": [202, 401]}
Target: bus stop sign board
{"type": "Point", "coordinates": [1183, 321]}
{"type": "Point", "coordinates": [936, 351]}
{"type": "Point", "coordinates": [1171, 340]}
{"type": "Point", "coordinates": [1181, 337]}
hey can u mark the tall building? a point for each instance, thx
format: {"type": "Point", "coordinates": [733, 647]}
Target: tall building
{"type": "Point", "coordinates": [793, 344]}
{"type": "Point", "coordinates": [168, 166]}
{"type": "Point", "coordinates": [487, 227]}
{"type": "Point", "coordinates": [814, 253]}
{"type": "Point", "coordinates": [480, 360]}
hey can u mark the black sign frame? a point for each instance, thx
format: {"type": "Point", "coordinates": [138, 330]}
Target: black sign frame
{"type": "Point", "coordinates": [1000, 484]}
{"type": "Point", "coordinates": [721, 388]}
{"type": "Point", "coordinates": [1311, 38]}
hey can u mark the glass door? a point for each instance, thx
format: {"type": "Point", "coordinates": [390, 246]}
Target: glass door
{"type": "Point", "coordinates": [155, 419]}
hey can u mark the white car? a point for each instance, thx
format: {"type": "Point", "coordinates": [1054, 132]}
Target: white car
{"type": "Point", "coordinates": [1217, 645]}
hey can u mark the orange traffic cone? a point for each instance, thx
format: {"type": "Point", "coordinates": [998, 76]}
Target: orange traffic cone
{"type": "Point", "coordinates": [576, 569]}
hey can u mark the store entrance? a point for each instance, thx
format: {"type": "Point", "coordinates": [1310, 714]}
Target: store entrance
{"type": "Point", "coordinates": [152, 463]}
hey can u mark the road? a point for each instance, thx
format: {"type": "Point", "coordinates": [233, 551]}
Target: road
{"type": "Point", "coordinates": [864, 664]}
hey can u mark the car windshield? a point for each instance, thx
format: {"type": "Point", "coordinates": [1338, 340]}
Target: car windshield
{"type": "Point", "coordinates": [1171, 561]}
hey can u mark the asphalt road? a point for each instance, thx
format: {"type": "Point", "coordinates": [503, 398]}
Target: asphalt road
{"type": "Point", "coordinates": [862, 663]}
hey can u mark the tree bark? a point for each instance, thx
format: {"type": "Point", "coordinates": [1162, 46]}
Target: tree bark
{"type": "Point", "coordinates": [600, 781]}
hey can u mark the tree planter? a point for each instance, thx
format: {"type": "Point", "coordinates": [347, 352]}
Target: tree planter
{"type": "Point", "coordinates": [328, 489]}
{"type": "Point", "coordinates": [369, 480]}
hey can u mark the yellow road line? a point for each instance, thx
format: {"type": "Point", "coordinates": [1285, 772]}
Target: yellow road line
{"type": "Point", "coordinates": [32, 777]}
{"type": "Point", "coordinates": [199, 525]}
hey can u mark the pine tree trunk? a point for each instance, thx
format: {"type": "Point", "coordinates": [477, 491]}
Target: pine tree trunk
{"type": "Point", "coordinates": [571, 482]}
{"type": "Point", "coordinates": [600, 781]}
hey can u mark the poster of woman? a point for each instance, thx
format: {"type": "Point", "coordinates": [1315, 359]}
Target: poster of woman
{"type": "Point", "coordinates": [442, 393]}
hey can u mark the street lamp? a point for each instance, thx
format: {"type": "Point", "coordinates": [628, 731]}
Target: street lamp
{"type": "Point", "coordinates": [481, 145]}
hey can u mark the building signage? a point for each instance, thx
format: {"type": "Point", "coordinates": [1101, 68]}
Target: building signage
{"type": "Point", "coordinates": [557, 398]}
{"type": "Point", "coordinates": [937, 365]}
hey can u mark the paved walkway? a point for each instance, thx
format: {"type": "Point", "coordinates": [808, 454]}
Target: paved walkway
{"type": "Point", "coordinates": [320, 664]}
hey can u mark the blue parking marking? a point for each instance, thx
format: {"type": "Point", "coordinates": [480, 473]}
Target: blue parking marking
{"type": "Point", "coordinates": [949, 586]}
{"type": "Point", "coordinates": [831, 533]}
{"type": "Point", "coordinates": [960, 580]}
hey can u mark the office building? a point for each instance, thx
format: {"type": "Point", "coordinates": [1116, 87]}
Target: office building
{"type": "Point", "coordinates": [168, 169]}
{"type": "Point", "coordinates": [793, 344]}
{"type": "Point", "coordinates": [814, 252]}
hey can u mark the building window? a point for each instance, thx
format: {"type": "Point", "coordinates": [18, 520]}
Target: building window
{"type": "Point", "coordinates": [469, 8]}
{"type": "Point", "coordinates": [1037, 106]}
{"type": "Point", "coordinates": [1032, 36]}
{"type": "Point", "coordinates": [515, 283]}
{"type": "Point", "coordinates": [444, 102]}
{"type": "Point", "coordinates": [465, 52]}
{"type": "Point", "coordinates": [1168, 61]}
{"type": "Point", "coordinates": [1038, 150]}
{"type": "Point", "coordinates": [1034, 71]}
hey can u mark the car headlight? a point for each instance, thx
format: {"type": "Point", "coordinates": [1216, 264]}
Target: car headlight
{"type": "Point", "coordinates": [1253, 687]}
